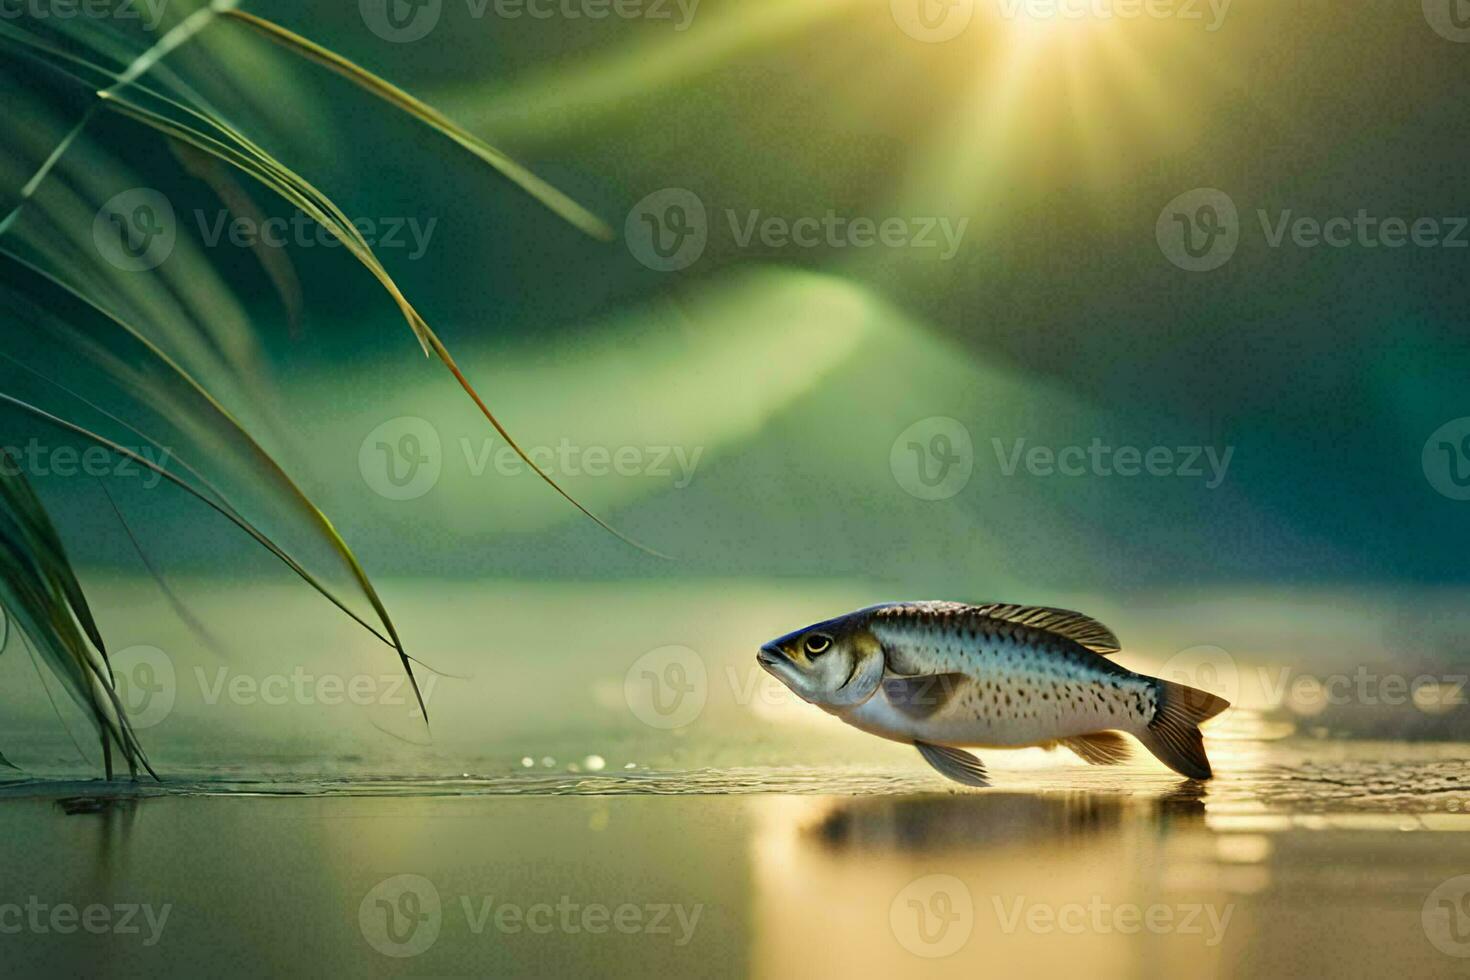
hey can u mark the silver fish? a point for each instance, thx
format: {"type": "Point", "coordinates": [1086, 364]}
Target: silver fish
{"type": "Point", "coordinates": [946, 676]}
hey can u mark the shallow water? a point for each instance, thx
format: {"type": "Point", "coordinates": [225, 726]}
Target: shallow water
{"type": "Point", "coordinates": [1303, 857]}
{"type": "Point", "coordinates": [552, 798]}
{"type": "Point", "coordinates": [1292, 778]}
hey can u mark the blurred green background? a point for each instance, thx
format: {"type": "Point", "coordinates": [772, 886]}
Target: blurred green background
{"type": "Point", "coordinates": [775, 404]}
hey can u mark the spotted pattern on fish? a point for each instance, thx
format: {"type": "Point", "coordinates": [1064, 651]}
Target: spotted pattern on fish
{"type": "Point", "coordinates": [1003, 675]}
{"type": "Point", "coordinates": [1025, 684]}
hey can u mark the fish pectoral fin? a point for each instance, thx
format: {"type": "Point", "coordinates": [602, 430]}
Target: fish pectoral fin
{"type": "Point", "coordinates": [956, 764]}
{"type": "Point", "coordinates": [1099, 748]}
{"type": "Point", "coordinates": [921, 695]}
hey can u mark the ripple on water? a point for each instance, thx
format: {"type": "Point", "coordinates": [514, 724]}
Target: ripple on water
{"type": "Point", "coordinates": [1298, 780]}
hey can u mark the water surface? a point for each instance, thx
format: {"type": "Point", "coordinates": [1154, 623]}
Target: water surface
{"type": "Point", "coordinates": [559, 792]}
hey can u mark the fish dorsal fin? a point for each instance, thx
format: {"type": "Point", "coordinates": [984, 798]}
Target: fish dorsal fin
{"type": "Point", "coordinates": [1063, 622]}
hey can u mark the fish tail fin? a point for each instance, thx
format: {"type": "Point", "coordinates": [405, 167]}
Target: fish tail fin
{"type": "Point", "coordinates": [1173, 735]}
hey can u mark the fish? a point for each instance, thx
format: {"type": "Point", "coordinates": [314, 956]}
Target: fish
{"type": "Point", "coordinates": [946, 677]}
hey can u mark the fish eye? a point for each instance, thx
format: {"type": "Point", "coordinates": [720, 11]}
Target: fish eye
{"type": "Point", "coordinates": [817, 644]}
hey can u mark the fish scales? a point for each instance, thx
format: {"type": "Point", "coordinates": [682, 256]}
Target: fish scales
{"type": "Point", "coordinates": [1025, 684]}
{"type": "Point", "coordinates": [946, 676]}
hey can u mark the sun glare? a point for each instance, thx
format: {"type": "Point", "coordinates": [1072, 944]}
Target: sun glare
{"type": "Point", "coordinates": [1075, 92]}
{"type": "Point", "coordinates": [1054, 19]}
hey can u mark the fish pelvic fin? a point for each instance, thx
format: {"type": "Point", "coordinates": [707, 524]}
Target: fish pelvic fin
{"type": "Point", "coordinates": [1099, 748]}
{"type": "Point", "coordinates": [1173, 736]}
{"type": "Point", "coordinates": [956, 764]}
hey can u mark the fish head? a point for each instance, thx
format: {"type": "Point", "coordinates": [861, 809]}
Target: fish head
{"type": "Point", "coordinates": [836, 663]}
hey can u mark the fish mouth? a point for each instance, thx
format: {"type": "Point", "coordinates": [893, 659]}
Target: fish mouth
{"type": "Point", "coordinates": [770, 656]}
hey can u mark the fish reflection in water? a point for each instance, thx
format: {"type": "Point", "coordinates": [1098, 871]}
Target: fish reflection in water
{"type": "Point", "coordinates": [1009, 870]}
{"type": "Point", "coordinates": [974, 820]}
